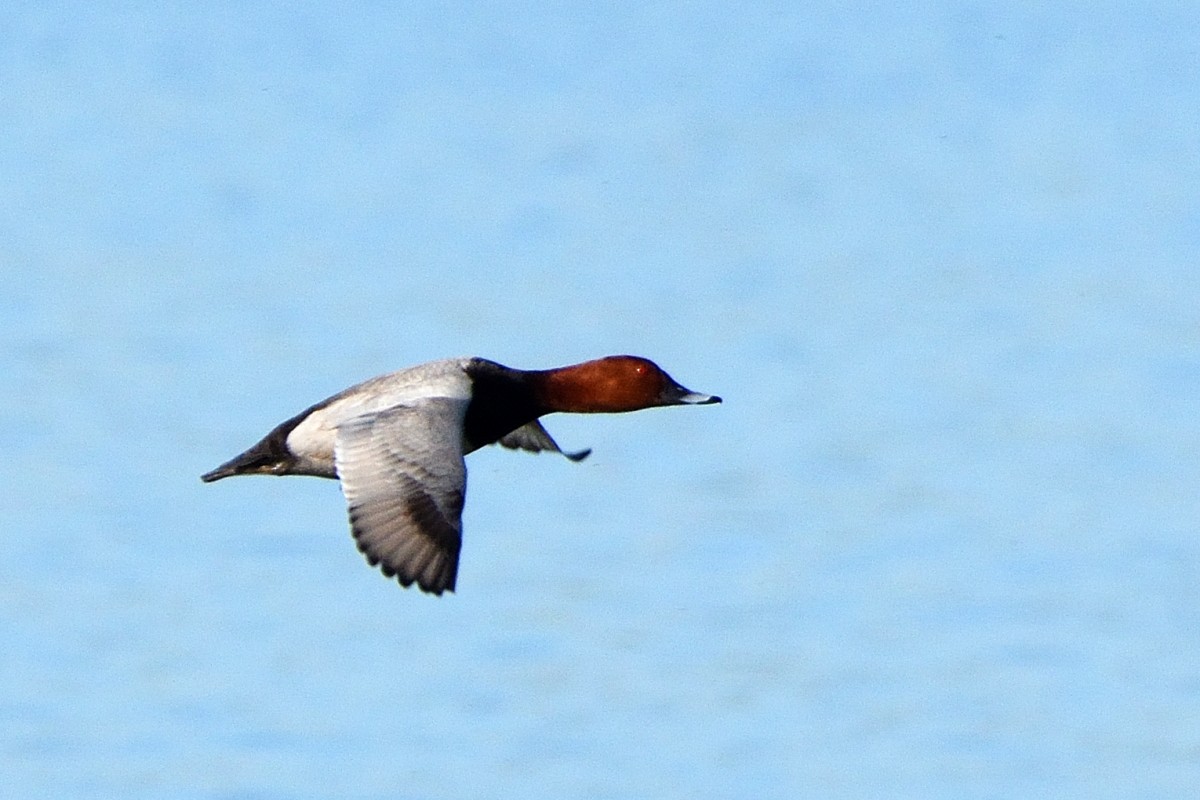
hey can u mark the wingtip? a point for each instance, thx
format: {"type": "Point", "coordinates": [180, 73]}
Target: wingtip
{"type": "Point", "coordinates": [436, 588]}
{"type": "Point", "coordinates": [579, 455]}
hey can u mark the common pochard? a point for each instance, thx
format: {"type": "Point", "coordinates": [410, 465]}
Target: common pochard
{"type": "Point", "coordinates": [396, 443]}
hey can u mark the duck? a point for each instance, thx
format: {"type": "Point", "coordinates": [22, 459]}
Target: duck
{"type": "Point", "coordinates": [396, 444]}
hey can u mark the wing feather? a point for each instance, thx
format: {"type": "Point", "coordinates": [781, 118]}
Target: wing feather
{"type": "Point", "coordinates": [533, 438]}
{"type": "Point", "coordinates": [404, 479]}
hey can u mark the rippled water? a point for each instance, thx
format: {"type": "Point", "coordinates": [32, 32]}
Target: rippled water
{"type": "Point", "coordinates": [940, 541]}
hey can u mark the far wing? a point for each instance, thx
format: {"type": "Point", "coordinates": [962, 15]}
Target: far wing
{"type": "Point", "coordinates": [534, 438]}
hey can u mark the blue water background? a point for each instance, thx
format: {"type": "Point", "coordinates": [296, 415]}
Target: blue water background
{"type": "Point", "coordinates": [941, 540]}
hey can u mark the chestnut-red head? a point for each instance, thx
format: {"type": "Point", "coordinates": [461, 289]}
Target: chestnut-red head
{"type": "Point", "coordinates": [611, 385]}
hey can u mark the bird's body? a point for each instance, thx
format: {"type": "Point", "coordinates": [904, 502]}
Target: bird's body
{"type": "Point", "coordinates": [396, 443]}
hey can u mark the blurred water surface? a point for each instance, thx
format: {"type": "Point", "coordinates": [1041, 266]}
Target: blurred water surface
{"type": "Point", "coordinates": [939, 542]}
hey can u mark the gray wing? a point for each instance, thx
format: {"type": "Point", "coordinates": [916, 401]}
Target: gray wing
{"type": "Point", "coordinates": [534, 438]}
{"type": "Point", "coordinates": [404, 479]}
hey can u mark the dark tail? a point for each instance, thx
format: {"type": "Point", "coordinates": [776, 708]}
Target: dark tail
{"type": "Point", "coordinates": [264, 457]}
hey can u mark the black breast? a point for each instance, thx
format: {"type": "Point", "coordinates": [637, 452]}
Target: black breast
{"type": "Point", "coordinates": [501, 401]}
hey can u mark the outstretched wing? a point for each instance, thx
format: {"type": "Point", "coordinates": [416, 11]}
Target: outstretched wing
{"type": "Point", "coordinates": [534, 438]}
{"type": "Point", "coordinates": [404, 479]}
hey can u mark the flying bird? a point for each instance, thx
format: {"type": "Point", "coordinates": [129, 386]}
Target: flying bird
{"type": "Point", "coordinates": [396, 443]}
